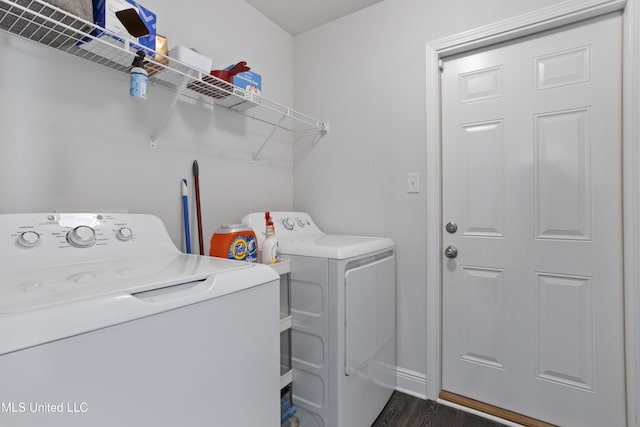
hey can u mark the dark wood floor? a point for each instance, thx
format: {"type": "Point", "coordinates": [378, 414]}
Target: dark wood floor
{"type": "Point", "coordinates": [408, 411]}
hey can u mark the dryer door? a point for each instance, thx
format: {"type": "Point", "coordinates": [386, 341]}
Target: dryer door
{"type": "Point", "coordinates": [370, 294]}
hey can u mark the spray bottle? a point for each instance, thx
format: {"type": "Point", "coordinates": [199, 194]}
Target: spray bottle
{"type": "Point", "coordinates": [139, 76]}
{"type": "Point", "coordinates": [270, 249]}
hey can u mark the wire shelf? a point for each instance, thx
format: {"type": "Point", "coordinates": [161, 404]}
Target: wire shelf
{"type": "Point", "coordinates": [51, 26]}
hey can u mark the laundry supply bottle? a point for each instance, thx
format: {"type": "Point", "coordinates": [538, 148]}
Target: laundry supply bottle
{"type": "Point", "coordinates": [139, 77]}
{"type": "Point", "coordinates": [270, 249]}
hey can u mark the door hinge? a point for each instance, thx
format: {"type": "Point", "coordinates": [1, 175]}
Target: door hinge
{"type": "Point", "coordinates": [441, 65]}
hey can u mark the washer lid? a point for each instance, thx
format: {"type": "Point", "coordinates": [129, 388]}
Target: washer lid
{"type": "Point", "coordinates": [39, 288]}
{"type": "Point", "coordinates": [40, 306]}
{"type": "Point", "coordinates": [334, 246]}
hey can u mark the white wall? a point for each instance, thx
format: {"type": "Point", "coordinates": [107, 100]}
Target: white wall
{"type": "Point", "coordinates": [70, 139]}
{"type": "Point", "coordinates": [365, 74]}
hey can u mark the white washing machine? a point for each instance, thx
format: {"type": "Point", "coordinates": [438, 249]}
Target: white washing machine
{"type": "Point", "coordinates": [105, 323]}
{"type": "Point", "coordinates": [343, 300]}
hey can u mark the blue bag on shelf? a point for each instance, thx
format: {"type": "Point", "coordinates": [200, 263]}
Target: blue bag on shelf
{"type": "Point", "coordinates": [104, 15]}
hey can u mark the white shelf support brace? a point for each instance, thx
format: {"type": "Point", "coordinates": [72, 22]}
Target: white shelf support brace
{"type": "Point", "coordinates": [273, 131]}
{"type": "Point", "coordinates": [161, 125]}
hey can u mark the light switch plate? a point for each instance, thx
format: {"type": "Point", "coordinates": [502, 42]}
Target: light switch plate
{"type": "Point", "coordinates": [413, 182]}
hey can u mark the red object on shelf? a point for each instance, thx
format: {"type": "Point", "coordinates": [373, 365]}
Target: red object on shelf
{"type": "Point", "coordinates": [227, 75]}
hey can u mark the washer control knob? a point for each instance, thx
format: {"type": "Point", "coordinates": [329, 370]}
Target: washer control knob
{"type": "Point", "coordinates": [28, 239]}
{"type": "Point", "coordinates": [125, 234]}
{"type": "Point", "coordinates": [301, 222]}
{"type": "Point", "coordinates": [288, 223]}
{"type": "Point", "coordinates": [82, 236]}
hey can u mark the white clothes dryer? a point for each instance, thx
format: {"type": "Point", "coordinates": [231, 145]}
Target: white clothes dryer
{"type": "Point", "coordinates": [343, 300]}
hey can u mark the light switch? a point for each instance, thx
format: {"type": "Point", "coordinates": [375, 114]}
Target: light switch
{"type": "Point", "coordinates": [413, 182]}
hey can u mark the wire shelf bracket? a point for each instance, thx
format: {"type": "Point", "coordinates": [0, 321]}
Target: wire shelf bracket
{"type": "Point", "coordinates": [264, 144]}
{"type": "Point", "coordinates": [170, 108]}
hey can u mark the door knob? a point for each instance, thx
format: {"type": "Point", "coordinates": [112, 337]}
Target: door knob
{"type": "Point", "coordinates": [451, 252]}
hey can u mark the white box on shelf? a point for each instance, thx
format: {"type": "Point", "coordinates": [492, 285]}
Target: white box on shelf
{"type": "Point", "coordinates": [189, 57]}
{"type": "Point", "coordinates": [186, 61]}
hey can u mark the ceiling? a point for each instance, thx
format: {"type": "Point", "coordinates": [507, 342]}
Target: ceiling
{"type": "Point", "coordinates": [298, 16]}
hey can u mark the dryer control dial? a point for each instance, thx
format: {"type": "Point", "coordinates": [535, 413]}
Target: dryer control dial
{"type": "Point", "coordinates": [288, 223]}
{"type": "Point", "coordinates": [28, 239]}
{"type": "Point", "coordinates": [82, 236]}
{"type": "Point", "coordinates": [125, 234]}
{"type": "Point", "coordinates": [301, 222]}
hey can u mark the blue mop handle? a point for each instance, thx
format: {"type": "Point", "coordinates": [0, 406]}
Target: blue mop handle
{"type": "Point", "coordinates": [185, 209]}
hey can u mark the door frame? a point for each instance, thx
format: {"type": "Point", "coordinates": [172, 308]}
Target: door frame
{"type": "Point", "coordinates": [555, 16]}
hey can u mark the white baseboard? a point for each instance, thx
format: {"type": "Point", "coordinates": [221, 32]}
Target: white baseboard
{"type": "Point", "coordinates": [411, 382]}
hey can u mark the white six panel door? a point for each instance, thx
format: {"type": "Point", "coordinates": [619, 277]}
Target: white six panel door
{"type": "Point", "coordinates": [532, 304]}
